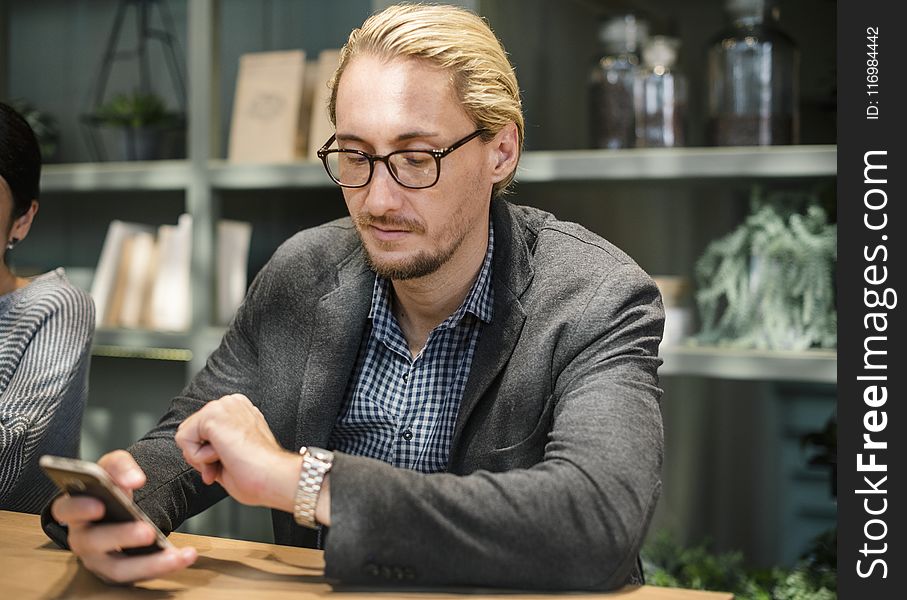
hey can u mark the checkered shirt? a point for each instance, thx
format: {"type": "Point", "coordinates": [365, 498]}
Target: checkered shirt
{"type": "Point", "coordinates": [401, 409]}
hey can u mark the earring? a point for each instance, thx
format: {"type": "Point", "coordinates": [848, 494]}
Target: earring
{"type": "Point", "coordinates": [12, 243]}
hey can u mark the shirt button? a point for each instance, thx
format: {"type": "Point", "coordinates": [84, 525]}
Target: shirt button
{"type": "Point", "coordinates": [407, 435]}
{"type": "Point", "coordinates": [405, 376]}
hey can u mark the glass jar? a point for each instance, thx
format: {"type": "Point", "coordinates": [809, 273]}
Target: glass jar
{"type": "Point", "coordinates": [611, 82]}
{"type": "Point", "coordinates": [661, 96]}
{"type": "Point", "coordinates": [753, 75]}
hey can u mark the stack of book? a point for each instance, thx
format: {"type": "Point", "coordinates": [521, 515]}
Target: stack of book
{"type": "Point", "coordinates": [143, 274]}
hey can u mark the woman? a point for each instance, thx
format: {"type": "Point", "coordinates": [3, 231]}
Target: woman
{"type": "Point", "coordinates": [45, 335]}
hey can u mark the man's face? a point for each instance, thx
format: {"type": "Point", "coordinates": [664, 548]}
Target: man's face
{"type": "Point", "coordinates": [406, 104]}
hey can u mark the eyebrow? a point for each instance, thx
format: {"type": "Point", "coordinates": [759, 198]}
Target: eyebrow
{"type": "Point", "coordinates": [403, 137]}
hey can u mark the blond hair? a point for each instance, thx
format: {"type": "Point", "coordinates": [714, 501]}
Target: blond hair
{"type": "Point", "coordinates": [452, 39]}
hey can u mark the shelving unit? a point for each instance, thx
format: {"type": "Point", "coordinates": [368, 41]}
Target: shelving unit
{"type": "Point", "coordinates": [678, 163]}
{"type": "Point", "coordinates": [809, 366]}
{"type": "Point", "coordinates": [817, 366]}
{"type": "Point", "coordinates": [227, 176]}
{"type": "Point", "coordinates": [552, 167]}
{"type": "Point", "coordinates": [125, 176]}
{"type": "Point", "coordinates": [537, 166]}
{"type": "Point", "coordinates": [154, 345]}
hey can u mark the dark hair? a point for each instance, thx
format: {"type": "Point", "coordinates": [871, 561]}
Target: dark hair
{"type": "Point", "coordinates": [20, 159]}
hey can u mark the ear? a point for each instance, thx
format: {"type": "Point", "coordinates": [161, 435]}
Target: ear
{"type": "Point", "coordinates": [22, 225]}
{"type": "Point", "coordinates": [505, 152]}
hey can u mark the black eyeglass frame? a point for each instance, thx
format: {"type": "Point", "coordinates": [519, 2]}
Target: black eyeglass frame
{"type": "Point", "coordinates": [325, 151]}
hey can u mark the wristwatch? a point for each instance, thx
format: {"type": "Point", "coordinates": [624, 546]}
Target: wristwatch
{"type": "Point", "coordinates": [316, 463]}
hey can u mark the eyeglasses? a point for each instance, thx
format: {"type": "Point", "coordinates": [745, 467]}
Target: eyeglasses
{"type": "Point", "coordinates": [414, 169]}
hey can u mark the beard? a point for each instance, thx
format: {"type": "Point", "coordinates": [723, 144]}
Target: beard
{"type": "Point", "coordinates": [424, 262]}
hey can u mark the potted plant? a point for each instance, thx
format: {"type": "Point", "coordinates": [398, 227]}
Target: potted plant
{"type": "Point", "coordinates": [43, 124]}
{"type": "Point", "coordinates": [667, 563]}
{"type": "Point", "coordinates": [143, 119]}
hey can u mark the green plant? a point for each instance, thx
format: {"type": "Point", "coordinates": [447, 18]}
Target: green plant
{"type": "Point", "coordinates": [668, 564]}
{"type": "Point", "coordinates": [43, 124]}
{"type": "Point", "coordinates": [136, 110]}
{"type": "Point", "coordinates": [769, 284]}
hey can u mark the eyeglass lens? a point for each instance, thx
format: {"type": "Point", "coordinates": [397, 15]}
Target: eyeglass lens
{"type": "Point", "coordinates": [410, 168]}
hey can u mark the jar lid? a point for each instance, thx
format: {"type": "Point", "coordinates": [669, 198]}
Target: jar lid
{"type": "Point", "coordinates": [623, 33]}
{"type": "Point", "coordinates": [660, 50]}
{"type": "Point", "coordinates": [745, 8]}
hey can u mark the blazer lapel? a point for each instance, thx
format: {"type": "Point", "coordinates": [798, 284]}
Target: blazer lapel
{"type": "Point", "coordinates": [511, 276]}
{"type": "Point", "coordinates": [338, 325]}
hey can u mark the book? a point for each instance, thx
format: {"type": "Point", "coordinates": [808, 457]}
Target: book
{"type": "Point", "coordinates": [105, 275]}
{"type": "Point", "coordinates": [303, 137]}
{"type": "Point", "coordinates": [233, 238]}
{"type": "Point", "coordinates": [171, 308]}
{"type": "Point", "coordinates": [137, 279]}
{"type": "Point", "coordinates": [320, 128]}
{"type": "Point", "coordinates": [118, 291]}
{"type": "Point", "coordinates": [265, 124]}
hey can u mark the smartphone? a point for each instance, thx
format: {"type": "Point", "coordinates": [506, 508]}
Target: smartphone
{"type": "Point", "coordinates": [82, 478]}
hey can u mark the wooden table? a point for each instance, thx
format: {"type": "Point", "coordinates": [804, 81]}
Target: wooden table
{"type": "Point", "coordinates": [32, 567]}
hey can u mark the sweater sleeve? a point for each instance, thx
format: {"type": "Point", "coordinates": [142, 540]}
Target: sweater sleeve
{"type": "Point", "coordinates": [60, 327]}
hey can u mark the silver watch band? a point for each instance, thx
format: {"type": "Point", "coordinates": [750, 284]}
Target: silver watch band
{"type": "Point", "coordinates": [316, 463]}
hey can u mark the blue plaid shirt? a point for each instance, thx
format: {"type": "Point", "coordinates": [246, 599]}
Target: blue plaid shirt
{"type": "Point", "coordinates": [401, 409]}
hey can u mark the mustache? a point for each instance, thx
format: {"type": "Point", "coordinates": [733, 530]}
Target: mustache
{"type": "Point", "coordinates": [389, 222]}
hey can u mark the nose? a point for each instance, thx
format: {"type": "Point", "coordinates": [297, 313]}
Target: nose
{"type": "Point", "coordinates": [382, 194]}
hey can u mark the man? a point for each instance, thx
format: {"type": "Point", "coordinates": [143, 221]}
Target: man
{"type": "Point", "coordinates": [484, 374]}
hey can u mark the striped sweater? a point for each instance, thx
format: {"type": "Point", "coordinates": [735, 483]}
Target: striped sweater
{"type": "Point", "coordinates": [45, 338]}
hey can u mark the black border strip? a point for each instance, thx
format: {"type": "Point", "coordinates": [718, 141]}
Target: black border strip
{"type": "Point", "coordinates": [871, 128]}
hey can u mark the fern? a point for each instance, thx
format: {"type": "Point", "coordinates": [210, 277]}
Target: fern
{"type": "Point", "coordinates": [769, 284]}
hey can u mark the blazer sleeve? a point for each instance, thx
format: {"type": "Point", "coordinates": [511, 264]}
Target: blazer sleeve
{"type": "Point", "coordinates": [174, 491]}
{"type": "Point", "coordinates": [575, 520]}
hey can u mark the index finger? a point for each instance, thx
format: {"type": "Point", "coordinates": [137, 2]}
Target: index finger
{"type": "Point", "coordinates": [188, 437]}
{"type": "Point", "coordinates": [74, 509]}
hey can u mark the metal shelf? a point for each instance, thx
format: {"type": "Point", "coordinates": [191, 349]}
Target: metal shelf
{"type": "Point", "coordinates": [116, 176]}
{"type": "Point", "coordinates": [818, 366]}
{"type": "Point", "coordinates": [237, 176]}
{"type": "Point", "coordinates": [554, 166]}
{"type": "Point", "coordinates": [678, 163]}
{"type": "Point", "coordinates": [542, 166]}
{"type": "Point", "coordinates": [157, 345]}
{"type": "Point", "coordinates": [139, 343]}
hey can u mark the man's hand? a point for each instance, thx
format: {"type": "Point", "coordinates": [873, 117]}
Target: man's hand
{"type": "Point", "coordinates": [229, 442]}
{"type": "Point", "coordinates": [98, 544]}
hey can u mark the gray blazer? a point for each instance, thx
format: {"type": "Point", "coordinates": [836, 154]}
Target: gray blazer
{"type": "Point", "coordinates": [555, 460]}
